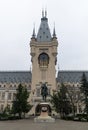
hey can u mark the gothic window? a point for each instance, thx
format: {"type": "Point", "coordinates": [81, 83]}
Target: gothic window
{"type": "Point", "coordinates": [15, 86]}
{"type": "Point", "coordinates": [4, 86]}
{"type": "Point", "coordinates": [11, 85]}
{"type": "Point", "coordinates": [8, 106]}
{"type": "Point", "coordinates": [43, 59]}
{"type": "Point", "coordinates": [14, 96]}
{"type": "Point", "coordinates": [2, 107]}
{"type": "Point", "coordinates": [3, 95]}
{"type": "Point", "coordinates": [9, 96]}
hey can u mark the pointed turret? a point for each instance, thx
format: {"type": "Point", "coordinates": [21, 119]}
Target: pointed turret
{"type": "Point", "coordinates": [34, 35]}
{"type": "Point", "coordinates": [54, 33]}
{"type": "Point", "coordinates": [44, 34]}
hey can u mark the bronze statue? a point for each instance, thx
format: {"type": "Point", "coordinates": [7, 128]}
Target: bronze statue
{"type": "Point", "coordinates": [44, 91]}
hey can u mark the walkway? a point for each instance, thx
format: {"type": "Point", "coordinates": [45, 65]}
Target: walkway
{"type": "Point", "coordinates": [28, 124]}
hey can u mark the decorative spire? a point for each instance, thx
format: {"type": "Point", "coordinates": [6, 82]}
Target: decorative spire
{"type": "Point", "coordinates": [54, 32]}
{"type": "Point", "coordinates": [42, 13]}
{"type": "Point", "coordinates": [33, 35]}
{"type": "Point", "coordinates": [45, 13]}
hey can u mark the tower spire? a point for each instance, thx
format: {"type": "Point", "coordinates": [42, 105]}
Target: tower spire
{"type": "Point", "coordinates": [44, 34]}
{"type": "Point", "coordinates": [45, 13]}
{"type": "Point", "coordinates": [34, 35]}
{"type": "Point", "coordinates": [42, 13]}
{"type": "Point", "coordinates": [54, 32]}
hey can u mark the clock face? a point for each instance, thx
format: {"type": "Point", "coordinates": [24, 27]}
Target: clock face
{"type": "Point", "coordinates": [43, 59]}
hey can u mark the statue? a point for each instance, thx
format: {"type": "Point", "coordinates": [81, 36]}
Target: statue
{"type": "Point", "coordinates": [44, 91]}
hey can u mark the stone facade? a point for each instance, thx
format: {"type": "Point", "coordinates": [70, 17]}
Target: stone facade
{"type": "Point", "coordinates": [43, 56]}
{"type": "Point", "coordinates": [43, 73]}
{"type": "Point", "coordinates": [9, 82]}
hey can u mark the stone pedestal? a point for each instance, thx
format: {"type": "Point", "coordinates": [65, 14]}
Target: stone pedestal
{"type": "Point", "coordinates": [44, 117]}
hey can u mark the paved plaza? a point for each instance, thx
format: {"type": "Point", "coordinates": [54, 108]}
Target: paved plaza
{"type": "Point", "coordinates": [29, 124]}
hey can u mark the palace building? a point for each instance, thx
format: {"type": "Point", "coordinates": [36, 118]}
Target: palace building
{"type": "Point", "coordinates": [44, 58]}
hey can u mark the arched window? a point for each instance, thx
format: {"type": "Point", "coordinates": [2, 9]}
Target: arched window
{"type": "Point", "coordinates": [43, 59]}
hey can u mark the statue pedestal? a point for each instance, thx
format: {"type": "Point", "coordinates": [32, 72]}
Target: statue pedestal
{"type": "Point", "coordinates": [44, 117]}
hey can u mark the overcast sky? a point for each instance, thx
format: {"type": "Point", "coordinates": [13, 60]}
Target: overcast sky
{"type": "Point", "coordinates": [16, 24]}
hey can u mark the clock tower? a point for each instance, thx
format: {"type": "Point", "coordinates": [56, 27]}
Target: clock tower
{"type": "Point", "coordinates": [43, 57]}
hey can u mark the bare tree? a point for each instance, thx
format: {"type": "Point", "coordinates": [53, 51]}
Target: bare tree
{"type": "Point", "coordinates": [75, 97]}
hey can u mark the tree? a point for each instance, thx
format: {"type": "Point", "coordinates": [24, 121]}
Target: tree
{"type": "Point", "coordinates": [84, 90]}
{"type": "Point", "coordinates": [55, 100]}
{"type": "Point", "coordinates": [20, 104]}
{"type": "Point", "coordinates": [75, 97]}
{"type": "Point", "coordinates": [61, 102]}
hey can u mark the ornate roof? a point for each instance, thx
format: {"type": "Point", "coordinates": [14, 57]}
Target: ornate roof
{"type": "Point", "coordinates": [44, 34]}
{"type": "Point", "coordinates": [25, 76]}
{"type": "Point", "coordinates": [15, 77]}
{"type": "Point", "coordinates": [70, 76]}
